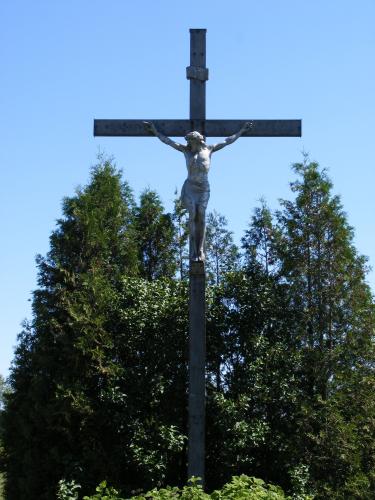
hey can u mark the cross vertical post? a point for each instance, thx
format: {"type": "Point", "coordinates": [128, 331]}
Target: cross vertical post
{"type": "Point", "coordinates": [197, 73]}
{"type": "Point", "coordinates": [197, 375]}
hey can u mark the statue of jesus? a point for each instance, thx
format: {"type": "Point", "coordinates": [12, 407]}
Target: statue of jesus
{"type": "Point", "coordinates": [195, 192]}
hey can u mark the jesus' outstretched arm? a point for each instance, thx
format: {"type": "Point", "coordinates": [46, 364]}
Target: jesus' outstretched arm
{"type": "Point", "coordinates": [151, 128]}
{"type": "Point", "coordinates": [232, 138]}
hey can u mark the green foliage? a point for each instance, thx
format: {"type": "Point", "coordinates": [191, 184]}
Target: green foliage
{"type": "Point", "coordinates": [99, 379]}
{"type": "Point", "coordinates": [95, 231]}
{"type": "Point", "coordinates": [244, 487]}
{"type": "Point", "coordinates": [299, 477]}
{"type": "Point", "coordinates": [68, 490]}
{"type": "Point", "coordinates": [293, 351]}
{"type": "Point", "coordinates": [181, 236]}
{"type": "Point", "coordinates": [240, 487]}
{"type": "Point", "coordinates": [332, 317]}
{"type": "Point", "coordinates": [155, 238]}
{"type": "Point", "coordinates": [4, 390]}
{"type": "Point", "coordinates": [260, 241]}
{"type": "Point", "coordinates": [222, 255]}
{"type": "Point", "coordinates": [104, 492]}
{"type": "Point", "coordinates": [78, 394]}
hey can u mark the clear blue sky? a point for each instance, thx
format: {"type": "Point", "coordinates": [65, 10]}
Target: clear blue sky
{"type": "Point", "coordinates": [65, 62]}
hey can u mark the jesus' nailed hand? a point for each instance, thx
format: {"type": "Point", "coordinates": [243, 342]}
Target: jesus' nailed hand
{"type": "Point", "coordinates": [196, 189]}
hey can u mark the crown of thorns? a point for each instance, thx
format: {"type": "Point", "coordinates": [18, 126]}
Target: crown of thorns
{"type": "Point", "coordinates": [194, 135]}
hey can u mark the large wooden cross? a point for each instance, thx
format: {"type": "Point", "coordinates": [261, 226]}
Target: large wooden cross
{"type": "Point", "coordinates": [197, 73]}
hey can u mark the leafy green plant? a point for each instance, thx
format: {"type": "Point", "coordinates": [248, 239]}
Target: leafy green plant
{"type": "Point", "coordinates": [104, 492]}
{"type": "Point", "coordinates": [249, 488]}
{"type": "Point", "coordinates": [67, 490]}
{"type": "Point", "coordinates": [239, 488]}
{"type": "Point", "coordinates": [299, 476]}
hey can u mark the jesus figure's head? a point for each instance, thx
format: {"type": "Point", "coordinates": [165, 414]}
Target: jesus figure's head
{"type": "Point", "coordinates": [194, 139]}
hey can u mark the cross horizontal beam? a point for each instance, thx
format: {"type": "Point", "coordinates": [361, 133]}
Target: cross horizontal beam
{"type": "Point", "coordinates": [211, 128]}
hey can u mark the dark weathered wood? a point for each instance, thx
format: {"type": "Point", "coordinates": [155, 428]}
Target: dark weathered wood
{"type": "Point", "coordinates": [197, 379]}
{"type": "Point", "coordinates": [212, 128]}
{"type": "Point", "coordinates": [198, 74]}
{"type": "Point", "coordinates": [136, 128]}
{"type": "Point", "coordinates": [261, 128]}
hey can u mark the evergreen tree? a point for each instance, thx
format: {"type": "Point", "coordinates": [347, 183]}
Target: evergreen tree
{"type": "Point", "coordinates": [155, 237]}
{"type": "Point", "coordinates": [64, 354]}
{"type": "Point", "coordinates": [294, 330]}
{"type": "Point", "coordinates": [4, 390]}
{"type": "Point", "coordinates": [332, 320]}
{"type": "Point", "coordinates": [222, 254]}
{"type": "Point", "coordinates": [259, 243]}
{"type": "Point", "coordinates": [222, 258]}
{"type": "Point", "coordinates": [181, 224]}
{"type": "Point", "coordinates": [96, 229]}
{"type": "Point", "coordinates": [249, 417]}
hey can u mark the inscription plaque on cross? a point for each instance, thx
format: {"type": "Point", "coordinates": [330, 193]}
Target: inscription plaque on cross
{"type": "Point", "coordinates": [197, 124]}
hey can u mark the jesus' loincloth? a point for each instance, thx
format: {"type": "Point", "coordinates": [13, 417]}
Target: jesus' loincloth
{"type": "Point", "coordinates": [194, 194]}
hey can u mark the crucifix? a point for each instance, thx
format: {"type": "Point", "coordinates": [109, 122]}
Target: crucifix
{"type": "Point", "coordinates": [195, 194]}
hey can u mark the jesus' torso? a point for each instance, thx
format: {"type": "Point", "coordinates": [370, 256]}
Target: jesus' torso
{"type": "Point", "coordinates": [198, 164]}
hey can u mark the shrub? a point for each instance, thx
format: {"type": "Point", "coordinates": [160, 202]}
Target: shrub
{"type": "Point", "coordinates": [240, 488]}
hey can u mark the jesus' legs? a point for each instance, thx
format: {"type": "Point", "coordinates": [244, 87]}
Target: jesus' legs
{"type": "Point", "coordinates": [193, 234]}
{"type": "Point", "coordinates": [200, 231]}
{"type": "Point", "coordinates": [197, 229]}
